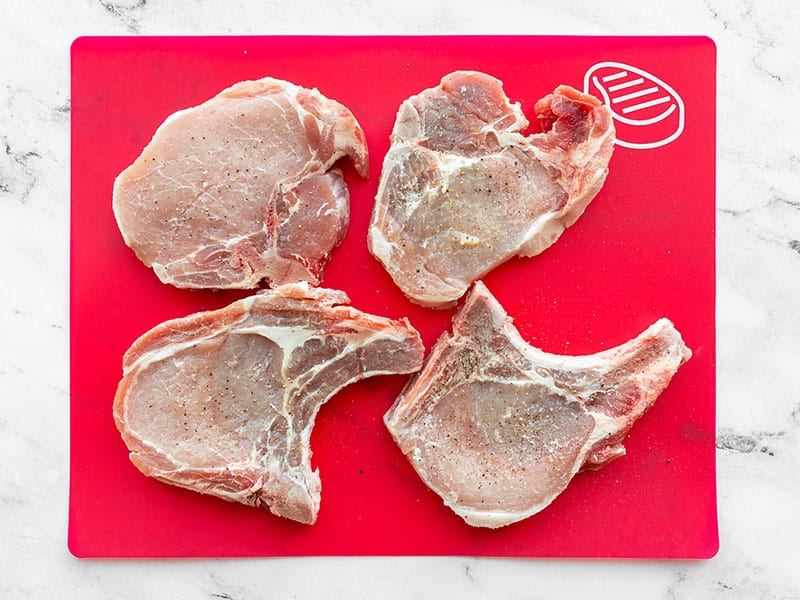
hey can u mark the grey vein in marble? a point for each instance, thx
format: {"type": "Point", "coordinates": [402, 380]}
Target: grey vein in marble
{"type": "Point", "coordinates": [128, 13]}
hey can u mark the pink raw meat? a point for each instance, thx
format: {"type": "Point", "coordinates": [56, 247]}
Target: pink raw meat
{"type": "Point", "coordinates": [463, 190]}
{"type": "Point", "coordinates": [498, 428]}
{"type": "Point", "coordinates": [223, 402]}
{"type": "Point", "coordinates": [239, 189]}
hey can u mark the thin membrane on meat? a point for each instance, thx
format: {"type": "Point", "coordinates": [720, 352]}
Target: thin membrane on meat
{"type": "Point", "coordinates": [498, 428]}
{"type": "Point", "coordinates": [462, 189]}
{"type": "Point", "coordinates": [223, 402]}
{"type": "Point", "coordinates": [241, 188]}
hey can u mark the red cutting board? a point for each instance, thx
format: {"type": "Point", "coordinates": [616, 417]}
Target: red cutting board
{"type": "Point", "coordinates": [643, 249]}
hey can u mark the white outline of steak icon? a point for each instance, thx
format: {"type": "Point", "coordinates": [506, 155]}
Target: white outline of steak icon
{"type": "Point", "coordinates": [636, 84]}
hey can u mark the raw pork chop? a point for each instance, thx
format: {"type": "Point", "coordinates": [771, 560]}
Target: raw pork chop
{"type": "Point", "coordinates": [498, 428]}
{"type": "Point", "coordinates": [238, 189]}
{"type": "Point", "coordinates": [223, 402]}
{"type": "Point", "coordinates": [462, 190]}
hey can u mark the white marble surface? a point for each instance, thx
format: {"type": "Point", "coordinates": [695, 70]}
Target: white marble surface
{"type": "Point", "coordinates": [758, 216]}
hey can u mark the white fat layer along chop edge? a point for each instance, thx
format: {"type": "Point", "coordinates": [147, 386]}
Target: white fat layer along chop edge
{"type": "Point", "coordinates": [596, 362]}
{"type": "Point", "coordinates": [380, 247]}
{"type": "Point", "coordinates": [288, 338]}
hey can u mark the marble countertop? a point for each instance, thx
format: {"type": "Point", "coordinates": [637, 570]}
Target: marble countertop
{"type": "Point", "coordinates": [758, 302]}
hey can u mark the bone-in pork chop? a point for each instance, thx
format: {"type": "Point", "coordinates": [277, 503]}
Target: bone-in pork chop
{"type": "Point", "coordinates": [240, 189]}
{"type": "Point", "coordinates": [223, 402]}
{"type": "Point", "coordinates": [463, 190]}
{"type": "Point", "coordinates": [498, 428]}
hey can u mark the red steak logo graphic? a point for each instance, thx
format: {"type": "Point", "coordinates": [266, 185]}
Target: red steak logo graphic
{"type": "Point", "coordinates": [648, 112]}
